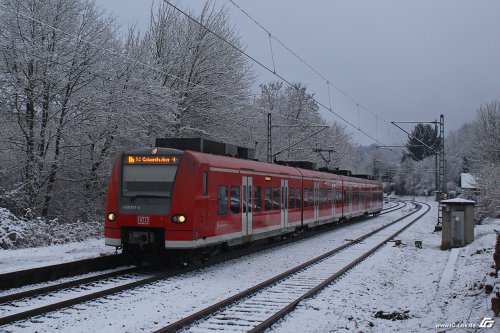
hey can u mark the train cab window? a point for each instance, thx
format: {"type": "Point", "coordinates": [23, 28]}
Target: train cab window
{"type": "Point", "coordinates": [291, 203]}
{"type": "Point", "coordinates": [205, 183]}
{"type": "Point", "coordinates": [297, 198]}
{"type": "Point", "coordinates": [150, 181]}
{"type": "Point", "coordinates": [268, 199]}
{"type": "Point", "coordinates": [257, 198]}
{"type": "Point", "coordinates": [222, 200]}
{"type": "Point", "coordinates": [235, 199]}
{"type": "Point", "coordinates": [276, 198]}
{"type": "Point", "coordinates": [306, 197]}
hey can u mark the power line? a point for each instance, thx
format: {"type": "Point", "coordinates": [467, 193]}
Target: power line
{"type": "Point", "coordinates": [263, 66]}
{"type": "Point", "coordinates": [328, 82]}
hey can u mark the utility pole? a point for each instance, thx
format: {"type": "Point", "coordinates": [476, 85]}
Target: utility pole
{"type": "Point", "coordinates": [269, 139]}
{"type": "Point", "coordinates": [442, 173]}
{"type": "Point", "coordinates": [440, 164]}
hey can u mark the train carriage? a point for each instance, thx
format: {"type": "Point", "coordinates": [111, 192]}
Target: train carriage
{"type": "Point", "coordinates": [163, 198]}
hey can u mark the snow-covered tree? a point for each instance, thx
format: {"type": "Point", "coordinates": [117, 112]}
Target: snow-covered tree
{"type": "Point", "coordinates": [50, 52]}
{"type": "Point", "coordinates": [72, 94]}
{"type": "Point", "coordinates": [209, 78]}
{"type": "Point", "coordinates": [295, 117]}
{"type": "Point", "coordinates": [422, 142]}
{"type": "Point", "coordinates": [475, 148]}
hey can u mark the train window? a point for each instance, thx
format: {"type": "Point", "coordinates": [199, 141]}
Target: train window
{"type": "Point", "coordinates": [276, 198]}
{"type": "Point", "coordinates": [141, 180]}
{"type": "Point", "coordinates": [257, 198]}
{"type": "Point", "coordinates": [306, 197]}
{"type": "Point", "coordinates": [339, 196]}
{"type": "Point", "coordinates": [235, 199]}
{"type": "Point", "coordinates": [244, 199]}
{"type": "Point", "coordinates": [222, 199]}
{"type": "Point", "coordinates": [291, 203]}
{"type": "Point", "coordinates": [268, 199]}
{"type": "Point", "coordinates": [249, 198]}
{"type": "Point", "coordinates": [205, 183]}
{"type": "Point", "coordinates": [297, 198]}
{"type": "Point", "coordinates": [311, 197]}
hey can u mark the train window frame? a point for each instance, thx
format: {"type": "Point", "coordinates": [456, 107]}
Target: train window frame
{"type": "Point", "coordinates": [249, 199]}
{"type": "Point", "coordinates": [276, 198]}
{"type": "Point", "coordinates": [298, 198]}
{"type": "Point", "coordinates": [205, 183]}
{"type": "Point", "coordinates": [234, 208]}
{"type": "Point", "coordinates": [268, 198]}
{"type": "Point", "coordinates": [257, 198]}
{"type": "Point", "coordinates": [291, 197]}
{"type": "Point", "coordinates": [221, 208]}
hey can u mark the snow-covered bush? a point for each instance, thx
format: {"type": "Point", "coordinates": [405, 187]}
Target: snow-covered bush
{"type": "Point", "coordinates": [12, 229]}
{"type": "Point", "coordinates": [22, 233]}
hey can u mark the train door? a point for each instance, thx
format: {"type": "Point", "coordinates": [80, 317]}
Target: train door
{"type": "Point", "coordinates": [205, 200]}
{"type": "Point", "coordinates": [316, 201]}
{"type": "Point", "coordinates": [350, 195]}
{"type": "Point", "coordinates": [246, 215]}
{"type": "Point", "coordinates": [332, 199]}
{"type": "Point", "coordinates": [284, 203]}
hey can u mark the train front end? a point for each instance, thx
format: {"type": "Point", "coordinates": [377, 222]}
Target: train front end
{"type": "Point", "coordinates": [138, 206]}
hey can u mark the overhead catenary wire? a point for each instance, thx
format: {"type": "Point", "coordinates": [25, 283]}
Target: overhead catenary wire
{"type": "Point", "coordinates": [328, 82]}
{"type": "Point", "coordinates": [264, 66]}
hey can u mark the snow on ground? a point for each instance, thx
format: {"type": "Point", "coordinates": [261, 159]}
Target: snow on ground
{"type": "Point", "coordinates": [15, 260]}
{"type": "Point", "coordinates": [427, 285]}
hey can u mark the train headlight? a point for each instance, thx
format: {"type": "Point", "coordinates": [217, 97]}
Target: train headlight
{"type": "Point", "coordinates": [111, 216]}
{"type": "Point", "coordinates": [179, 218]}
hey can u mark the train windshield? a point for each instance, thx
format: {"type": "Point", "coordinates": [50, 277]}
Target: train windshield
{"type": "Point", "coordinates": [148, 181]}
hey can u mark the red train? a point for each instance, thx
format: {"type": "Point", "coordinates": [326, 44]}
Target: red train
{"type": "Point", "coordinates": [163, 198]}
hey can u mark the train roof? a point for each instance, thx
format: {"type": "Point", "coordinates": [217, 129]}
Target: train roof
{"type": "Point", "coordinates": [225, 162]}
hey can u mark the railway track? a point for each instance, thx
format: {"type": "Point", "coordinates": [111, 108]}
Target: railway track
{"type": "Point", "coordinates": [259, 307]}
{"type": "Point", "coordinates": [399, 205]}
{"type": "Point", "coordinates": [73, 269]}
{"type": "Point", "coordinates": [53, 272]}
{"type": "Point", "coordinates": [42, 300]}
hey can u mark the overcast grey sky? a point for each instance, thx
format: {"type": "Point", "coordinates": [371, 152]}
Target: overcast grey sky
{"type": "Point", "coordinates": [406, 60]}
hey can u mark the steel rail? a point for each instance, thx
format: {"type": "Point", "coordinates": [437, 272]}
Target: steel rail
{"type": "Point", "coordinates": [187, 321]}
{"type": "Point", "coordinates": [171, 273]}
{"type": "Point", "coordinates": [65, 285]}
{"type": "Point", "coordinates": [392, 209]}
{"type": "Point", "coordinates": [289, 308]}
{"type": "Point", "coordinates": [54, 272]}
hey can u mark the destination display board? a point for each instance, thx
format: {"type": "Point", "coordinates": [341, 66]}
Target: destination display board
{"type": "Point", "coordinates": [144, 159]}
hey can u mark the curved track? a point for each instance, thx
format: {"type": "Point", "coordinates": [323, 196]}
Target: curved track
{"type": "Point", "coordinates": [257, 308]}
